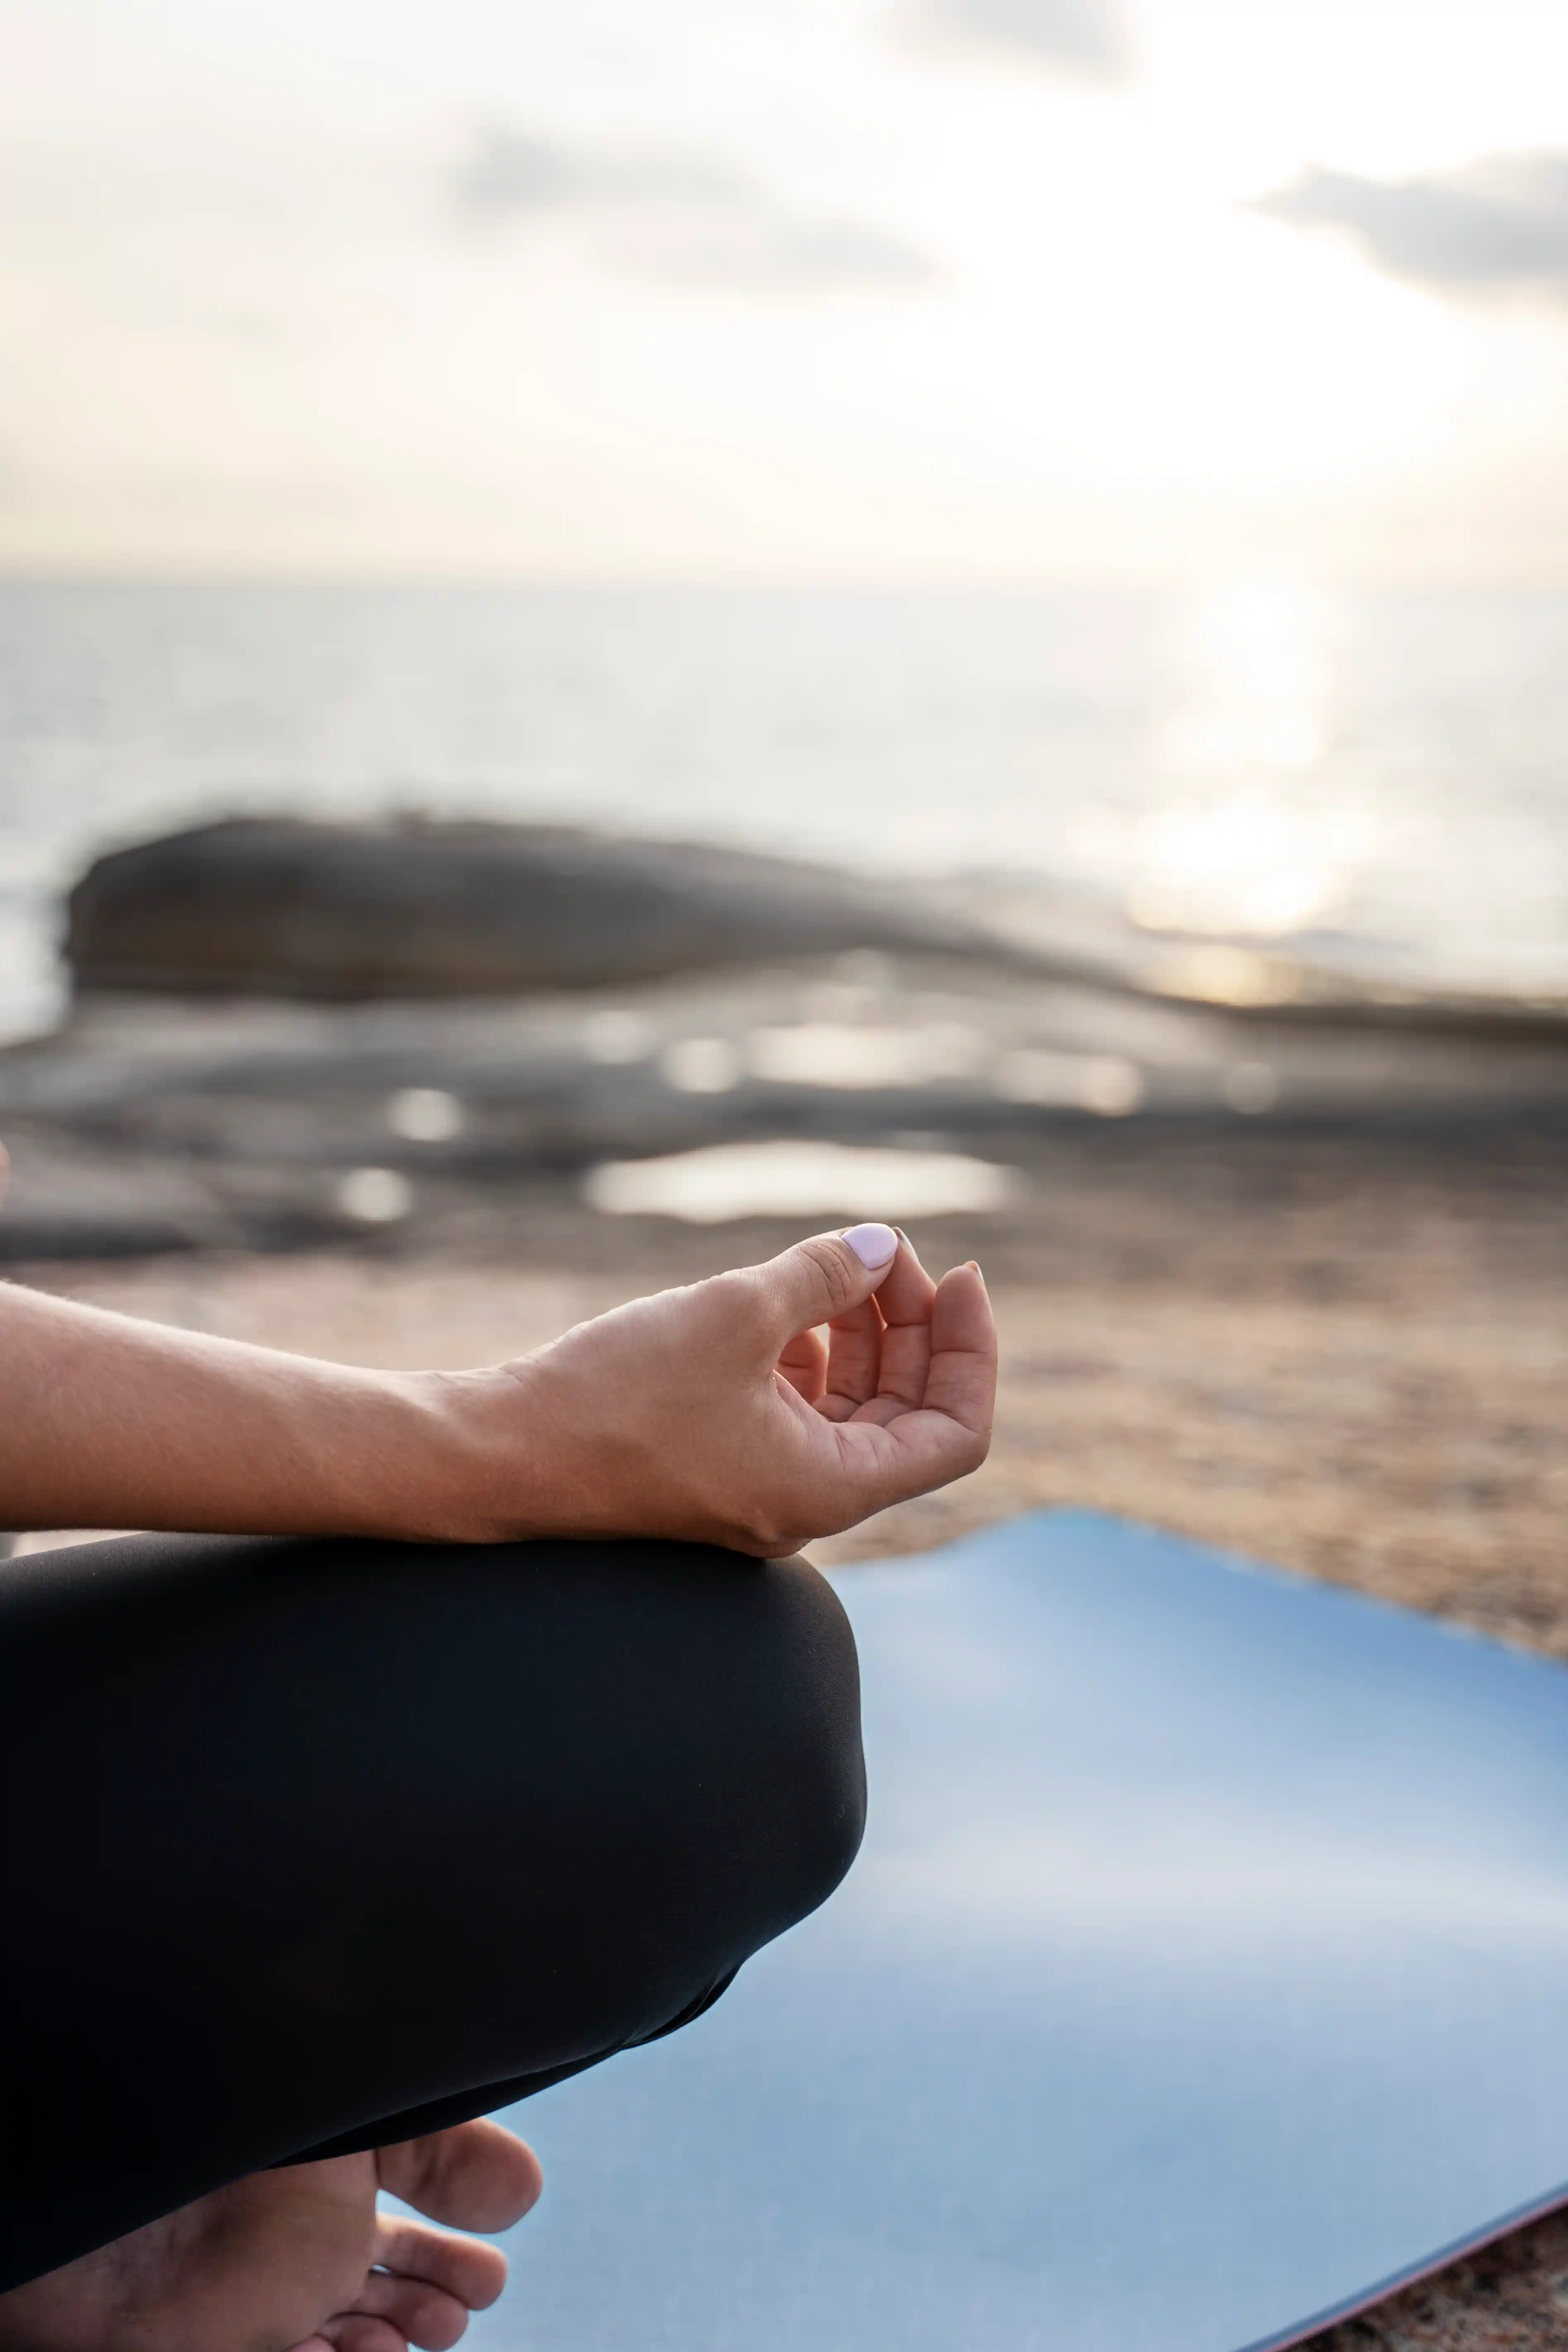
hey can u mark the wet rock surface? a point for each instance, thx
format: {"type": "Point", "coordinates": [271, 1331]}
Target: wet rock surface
{"type": "Point", "coordinates": [181, 1118]}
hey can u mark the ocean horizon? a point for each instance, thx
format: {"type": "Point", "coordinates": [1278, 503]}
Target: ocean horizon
{"type": "Point", "coordinates": [1374, 780]}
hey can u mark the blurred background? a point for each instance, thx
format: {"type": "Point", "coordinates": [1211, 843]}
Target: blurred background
{"type": "Point", "coordinates": [622, 629]}
{"type": "Point", "coordinates": [1120, 444]}
{"type": "Point", "coordinates": [627, 628]}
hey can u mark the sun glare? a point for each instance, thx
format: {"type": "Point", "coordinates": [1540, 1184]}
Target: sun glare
{"type": "Point", "coordinates": [1244, 839]}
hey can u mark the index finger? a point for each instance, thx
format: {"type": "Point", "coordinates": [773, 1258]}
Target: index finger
{"type": "Point", "coordinates": [905, 1300]}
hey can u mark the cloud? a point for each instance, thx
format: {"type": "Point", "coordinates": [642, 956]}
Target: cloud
{"type": "Point", "coordinates": [679, 216]}
{"type": "Point", "coordinates": [1078, 40]}
{"type": "Point", "coordinates": [1497, 226]}
{"type": "Point", "coordinates": [508, 172]}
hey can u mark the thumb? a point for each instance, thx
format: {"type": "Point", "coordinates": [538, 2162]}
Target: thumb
{"type": "Point", "coordinates": [824, 1277]}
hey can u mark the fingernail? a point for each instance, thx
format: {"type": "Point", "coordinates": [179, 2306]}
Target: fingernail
{"type": "Point", "coordinates": [872, 1244]}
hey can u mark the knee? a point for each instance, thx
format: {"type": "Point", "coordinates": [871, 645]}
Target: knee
{"type": "Point", "coordinates": [806, 1773]}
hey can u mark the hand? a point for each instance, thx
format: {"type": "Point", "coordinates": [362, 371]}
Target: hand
{"type": "Point", "coordinates": [757, 1410]}
{"type": "Point", "coordinates": [719, 1413]}
{"type": "Point", "coordinates": [297, 2258]}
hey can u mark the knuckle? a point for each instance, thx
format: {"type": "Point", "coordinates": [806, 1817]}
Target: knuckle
{"type": "Point", "coordinates": [768, 1526]}
{"type": "Point", "coordinates": [831, 1261]}
{"type": "Point", "coordinates": [730, 1294]}
{"type": "Point", "coordinates": [761, 1535]}
{"type": "Point", "coordinates": [726, 1310]}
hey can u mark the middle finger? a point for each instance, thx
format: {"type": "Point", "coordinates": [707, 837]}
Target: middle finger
{"type": "Point", "coordinates": [853, 1360]}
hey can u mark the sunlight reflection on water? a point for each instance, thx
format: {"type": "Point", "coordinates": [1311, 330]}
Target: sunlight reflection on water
{"type": "Point", "coordinates": [1244, 762]}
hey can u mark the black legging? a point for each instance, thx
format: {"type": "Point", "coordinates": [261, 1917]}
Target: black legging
{"type": "Point", "coordinates": [312, 1845]}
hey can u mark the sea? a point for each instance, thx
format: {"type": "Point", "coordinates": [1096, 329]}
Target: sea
{"type": "Point", "coordinates": [1379, 782]}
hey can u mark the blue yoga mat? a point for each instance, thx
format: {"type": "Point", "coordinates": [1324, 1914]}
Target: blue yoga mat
{"type": "Point", "coordinates": [1205, 1971]}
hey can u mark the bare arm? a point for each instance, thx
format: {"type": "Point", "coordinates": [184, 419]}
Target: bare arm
{"type": "Point", "coordinates": [759, 1409]}
{"type": "Point", "coordinates": [109, 1422]}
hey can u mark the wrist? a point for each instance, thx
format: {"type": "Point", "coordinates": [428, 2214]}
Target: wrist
{"type": "Point", "coordinates": [483, 1480]}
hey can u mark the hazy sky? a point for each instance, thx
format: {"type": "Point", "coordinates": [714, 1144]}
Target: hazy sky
{"type": "Point", "coordinates": [900, 288]}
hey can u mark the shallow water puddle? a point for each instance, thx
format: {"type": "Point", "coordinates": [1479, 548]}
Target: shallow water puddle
{"type": "Point", "coordinates": [787, 1179]}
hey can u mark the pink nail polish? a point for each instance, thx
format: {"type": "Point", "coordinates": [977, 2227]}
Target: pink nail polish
{"type": "Point", "coordinates": [874, 1245]}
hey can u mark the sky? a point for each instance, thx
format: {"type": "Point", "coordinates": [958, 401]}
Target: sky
{"type": "Point", "coordinates": [1064, 290]}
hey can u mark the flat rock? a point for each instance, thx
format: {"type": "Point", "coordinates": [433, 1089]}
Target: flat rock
{"type": "Point", "coordinates": [61, 1204]}
{"type": "Point", "coordinates": [286, 906]}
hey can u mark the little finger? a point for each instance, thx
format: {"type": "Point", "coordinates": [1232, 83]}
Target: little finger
{"type": "Point", "coordinates": [962, 1382]}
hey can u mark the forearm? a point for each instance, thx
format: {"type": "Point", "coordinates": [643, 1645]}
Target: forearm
{"type": "Point", "coordinates": [107, 1422]}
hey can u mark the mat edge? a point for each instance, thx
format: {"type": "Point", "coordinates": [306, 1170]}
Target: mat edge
{"type": "Point", "coordinates": [1458, 2251]}
{"type": "Point", "coordinates": [1252, 1566]}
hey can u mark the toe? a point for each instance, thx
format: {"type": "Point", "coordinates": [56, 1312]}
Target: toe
{"type": "Point", "coordinates": [356, 2331]}
{"type": "Point", "coordinates": [464, 2267]}
{"type": "Point", "coordinates": [423, 2314]}
{"type": "Point", "coordinates": [476, 2175]}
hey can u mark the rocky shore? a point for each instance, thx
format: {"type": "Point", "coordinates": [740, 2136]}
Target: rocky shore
{"type": "Point", "coordinates": [282, 1032]}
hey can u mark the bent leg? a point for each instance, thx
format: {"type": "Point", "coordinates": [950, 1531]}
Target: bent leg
{"type": "Point", "coordinates": [311, 1845]}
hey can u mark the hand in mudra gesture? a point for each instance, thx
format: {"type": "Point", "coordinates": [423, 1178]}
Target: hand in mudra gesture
{"type": "Point", "coordinates": [762, 1408]}
{"type": "Point", "coordinates": [759, 1409]}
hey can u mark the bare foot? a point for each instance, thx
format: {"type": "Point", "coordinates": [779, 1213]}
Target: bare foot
{"type": "Point", "coordinates": [298, 2260]}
